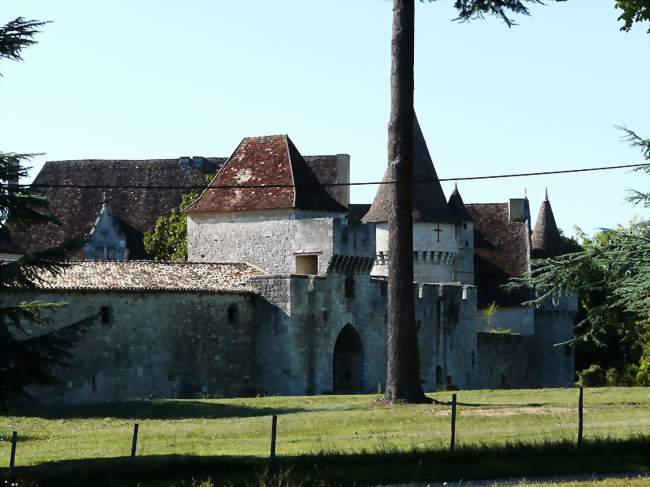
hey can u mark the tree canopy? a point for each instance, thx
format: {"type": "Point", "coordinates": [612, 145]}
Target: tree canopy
{"type": "Point", "coordinates": [611, 276]}
{"type": "Point", "coordinates": [633, 11]}
{"type": "Point", "coordinates": [30, 351]}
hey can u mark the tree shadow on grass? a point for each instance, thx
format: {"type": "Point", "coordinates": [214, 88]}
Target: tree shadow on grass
{"type": "Point", "coordinates": [418, 465]}
{"type": "Point", "coordinates": [156, 409]}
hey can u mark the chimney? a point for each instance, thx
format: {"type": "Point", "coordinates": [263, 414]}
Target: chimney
{"type": "Point", "coordinates": [517, 210]}
{"type": "Point", "coordinates": [343, 177]}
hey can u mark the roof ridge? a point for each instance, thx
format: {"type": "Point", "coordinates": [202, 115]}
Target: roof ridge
{"type": "Point", "coordinates": [158, 159]}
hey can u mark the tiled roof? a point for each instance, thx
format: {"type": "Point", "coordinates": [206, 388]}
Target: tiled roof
{"type": "Point", "coordinates": [429, 202]}
{"type": "Point", "coordinates": [136, 209]}
{"type": "Point", "coordinates": [546, 239]}
{"type": "Point", "coordinates": [141, 276]}
{"type": "Point", "coordinates": [271, 161]}
{"type": "Point", "coordinates": [502, 251]}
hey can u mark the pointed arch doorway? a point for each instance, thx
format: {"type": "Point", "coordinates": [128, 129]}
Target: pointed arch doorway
{"type": "Point", "coordinates": [348, 362]}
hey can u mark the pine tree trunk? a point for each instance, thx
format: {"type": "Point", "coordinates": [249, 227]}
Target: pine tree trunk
{"type": "Point", "coordinates": [402, 375]}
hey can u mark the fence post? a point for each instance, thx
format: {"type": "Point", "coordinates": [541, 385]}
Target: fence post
{"type": "Point", "coordinates": [274, 431]}
{"type": "Point", "coordinates": [12, 457]}
{"type": "Point", "coordinates": [580, 415]}
{"type": "Point", "coordinates": [452, 444]}
{"type": "Point", "coordinates": [134, 445]}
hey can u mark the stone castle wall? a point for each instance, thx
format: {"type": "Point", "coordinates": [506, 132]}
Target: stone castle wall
{"type": "Point", "coordinates": [554, 325]}
{"type": "Point", "coordinates": [506, 361]}
{"type": "Point", "coordinates": [296, 342]}
{"type": "Point", "coordinates": [154, 345]}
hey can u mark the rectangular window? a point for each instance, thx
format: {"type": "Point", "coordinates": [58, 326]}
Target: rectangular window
{"type": "Point", "coordinates": [110, 253]}
{"type": "Point", "coordinates": [307, 264]}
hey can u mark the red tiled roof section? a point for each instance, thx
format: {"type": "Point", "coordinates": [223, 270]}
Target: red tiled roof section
{"type": "Point", "coordinates": [502, 251]}
{"type": "Point", "coordinates": [271, 161]}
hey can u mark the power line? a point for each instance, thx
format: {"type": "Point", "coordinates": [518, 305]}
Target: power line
{"type": "Point", "coordinates": [366, 183]}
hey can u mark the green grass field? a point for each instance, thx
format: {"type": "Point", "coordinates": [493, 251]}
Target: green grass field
{"type": "Point", "coordinates": [320, 426]}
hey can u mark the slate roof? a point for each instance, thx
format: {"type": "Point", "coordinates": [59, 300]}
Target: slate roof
{"type": "Point", "coordinates": [546, 239]}
{"type": "Point", "coordinates": [429, 202]}
{"type": "Point", "coordinates": [458, 207]}
{"type": "Point", "coordinates": [271, 161]}
{"type": "Point", "coordinates": [149, 276]}
{"type": "Point", "coordinates": [502, 250]}
{"type": "Point", "coordinates": [136, 209]}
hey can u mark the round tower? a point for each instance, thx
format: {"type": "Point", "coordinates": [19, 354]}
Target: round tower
{"type": "Point", "coordinates": [435, 226]}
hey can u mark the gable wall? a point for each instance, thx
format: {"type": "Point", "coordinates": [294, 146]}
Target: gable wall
{"type": "Point", "coordinates": [272, 239]}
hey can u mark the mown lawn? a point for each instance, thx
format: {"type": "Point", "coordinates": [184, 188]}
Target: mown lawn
{"type": "Point", "coordinates": [319, 425]}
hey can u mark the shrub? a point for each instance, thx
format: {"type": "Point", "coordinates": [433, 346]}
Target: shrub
{"type": "Point", "coordinates": [643, 371]}
{"type": "Point", "coordinates": [613, 377]}
{"type": "Point", "coordinates": [594, 376]}
{"type": "Point", "coordinates": [629, 376]}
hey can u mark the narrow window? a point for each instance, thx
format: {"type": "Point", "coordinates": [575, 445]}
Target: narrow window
{"type": "Point", "coordinates": [438, 375]}
{"type": "Point", "coordinates": [106, 315]}
{"type": "Point", "coordinates": [349, 286]}
{"type": "Point", "coordinates": [94, 382]}
{"type": "Point", "coordinates": [233, 314]}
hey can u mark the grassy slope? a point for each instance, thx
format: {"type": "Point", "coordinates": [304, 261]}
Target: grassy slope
{"type": "Point", "coordinates": [311, 425]}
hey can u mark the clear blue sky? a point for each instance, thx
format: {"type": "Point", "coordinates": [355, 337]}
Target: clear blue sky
{"type": "Point", "coordinates": [163, 78]}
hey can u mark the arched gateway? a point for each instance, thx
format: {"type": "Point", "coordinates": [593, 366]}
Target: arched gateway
{"type": "Point", "coordinates": [348, 361]}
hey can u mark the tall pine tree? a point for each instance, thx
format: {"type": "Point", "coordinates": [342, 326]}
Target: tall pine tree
{"type": "Point", "coordinates": [28, 356]}
{"type": "Point", "coordinates": [402, 375]}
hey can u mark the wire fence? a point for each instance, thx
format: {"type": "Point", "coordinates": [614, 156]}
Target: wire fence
{"type": "Point", "coordinates": [274, 436]}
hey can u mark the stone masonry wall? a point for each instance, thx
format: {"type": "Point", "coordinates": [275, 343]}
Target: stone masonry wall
{"type": "Point", "coordinates": [506, 361]}
{"type": "Point", "coordinates": [297, 336]}
{"type": "Point", "coordinates": [553, 326]}
{"type": "Point", "coordinates": [268, 239]}
{"type": "Point", "coordinates": [155, 345]}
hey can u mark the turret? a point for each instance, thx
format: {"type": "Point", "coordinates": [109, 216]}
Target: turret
{"type": "Point", "coordinates": [546, 239]}
{"type": "Point", "coordinates": [464, 264]}
{"type": "Point", "coordinates": [435, 245]}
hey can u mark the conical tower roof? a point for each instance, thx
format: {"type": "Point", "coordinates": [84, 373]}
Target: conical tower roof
{"type": "Point", "coordinates": [429, 202]}
{"type": "Point", "coordinates": [457, 206]}
{"type": "Point", "coordinates": [546, 240]}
